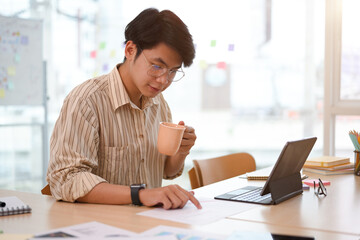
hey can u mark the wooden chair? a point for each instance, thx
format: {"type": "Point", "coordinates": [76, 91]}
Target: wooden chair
{"type": "Point", "coordinates": [207, 171]}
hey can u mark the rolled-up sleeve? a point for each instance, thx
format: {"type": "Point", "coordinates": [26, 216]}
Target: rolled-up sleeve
{"type": "Point", "coordinates": [73, 151]}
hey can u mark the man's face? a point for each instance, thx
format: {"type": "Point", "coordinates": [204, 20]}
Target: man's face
{"type": "Point", "coordinates": [162, 57]}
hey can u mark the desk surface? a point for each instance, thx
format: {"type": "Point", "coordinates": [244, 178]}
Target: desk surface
{"type": "Point", "coordinates": [338, 212]}
{"type": "Point", "coordinates": [333, 217]}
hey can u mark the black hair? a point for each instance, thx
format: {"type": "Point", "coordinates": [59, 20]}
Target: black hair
{"type": "Point", "coordinates": [152, 27]}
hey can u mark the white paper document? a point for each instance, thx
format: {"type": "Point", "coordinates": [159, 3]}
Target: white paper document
{"type": "Point", "coordinates": [212, 210]}
{"type": "Point", "coordinates": [86, 230]}
{"type": "Point", "coordinates": [181, 233]}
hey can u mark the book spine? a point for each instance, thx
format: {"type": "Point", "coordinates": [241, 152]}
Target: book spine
{"type": "Point", "coordinates": [257, 178]}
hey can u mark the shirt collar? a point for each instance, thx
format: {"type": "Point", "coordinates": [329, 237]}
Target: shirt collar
{"type": "Point", "coordinates": [119, 96]}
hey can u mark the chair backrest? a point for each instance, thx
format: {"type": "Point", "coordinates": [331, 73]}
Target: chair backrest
{"type": "Point", "coordinates": [46, 190]}
{"type": "Point", "coordinates": [212, 170]}
{"type": "Point", "coordinates": [193, 176]}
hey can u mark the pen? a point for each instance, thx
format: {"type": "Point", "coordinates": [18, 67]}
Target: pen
{"type": "Point", "coordinates": [2, 204]}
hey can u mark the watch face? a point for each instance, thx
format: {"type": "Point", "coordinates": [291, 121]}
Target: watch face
{"type": "Point", "coordinates": [143, 185]}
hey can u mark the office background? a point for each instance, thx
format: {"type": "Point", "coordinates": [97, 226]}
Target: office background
{"type": "Point", "coordinates": [266, 71]}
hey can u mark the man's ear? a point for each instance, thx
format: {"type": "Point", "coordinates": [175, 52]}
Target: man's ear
{"type": "Point", "coordinates": [130, 50]}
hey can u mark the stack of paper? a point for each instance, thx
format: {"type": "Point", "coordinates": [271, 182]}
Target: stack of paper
{"type": "Point", "coordinates": [263, 174]}
{"type": "Point", "coordinates": [329, 165]}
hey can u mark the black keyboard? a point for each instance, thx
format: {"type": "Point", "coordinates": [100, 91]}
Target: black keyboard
{"type": "Point", "coordinates": [252, 196]}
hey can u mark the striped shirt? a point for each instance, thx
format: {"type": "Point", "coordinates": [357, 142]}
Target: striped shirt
{"type": "Point", "coordinates": [101, 136]}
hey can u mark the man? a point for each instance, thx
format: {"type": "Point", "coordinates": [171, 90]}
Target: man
{"type": "Point", "coordinates": [103, 147]}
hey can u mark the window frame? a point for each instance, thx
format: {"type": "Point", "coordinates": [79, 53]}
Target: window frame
{"type": "Point", "coordinates": [333, 104]}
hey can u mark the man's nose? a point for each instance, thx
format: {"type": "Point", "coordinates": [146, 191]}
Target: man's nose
{"type": "Point", "coordinates": [163, 78]}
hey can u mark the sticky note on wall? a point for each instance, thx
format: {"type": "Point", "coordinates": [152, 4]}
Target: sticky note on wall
{"type": "Point", "coordinates": [203, 64]}
{"type": "Point", "coordinates": [2, 93]}
{"type": "Point", "coordinates": [102, 45]}
{"type": "Point", "coordinates": [113, 53]}
{"type": "Point", "coordinates": [24, 40]}
{"type": "Point", "coordinates": [221, 65]}
{"type": "Point", "coordinates": [11, 71]}
{"type": "Point", "coordinates": [93, 54]}
{"type": "Point", "coordinates": [17, 58]}
{"type": "Point", "coordinates": [231, 47]}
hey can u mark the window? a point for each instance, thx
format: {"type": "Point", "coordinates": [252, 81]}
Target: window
{"type": "Point", "coordinates": [341, 100]}
{"type": "Point", "coordinates": [350, 52]}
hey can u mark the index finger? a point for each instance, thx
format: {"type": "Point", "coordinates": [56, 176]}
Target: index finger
{"type": "Point", "coordinates": [189, 129]}
{"type": "Point", "coordinates": [194, 200]}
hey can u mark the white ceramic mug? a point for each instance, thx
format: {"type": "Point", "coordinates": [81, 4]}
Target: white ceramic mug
{"type": "Point", "coordinates": [169, 138]}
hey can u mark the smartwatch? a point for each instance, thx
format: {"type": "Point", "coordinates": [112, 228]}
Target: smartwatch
{"type": "Point", "coordinates": [135, 188]}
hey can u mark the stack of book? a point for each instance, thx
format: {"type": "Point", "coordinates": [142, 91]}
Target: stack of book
{"type": "Point", "coordinates": [329, 165]}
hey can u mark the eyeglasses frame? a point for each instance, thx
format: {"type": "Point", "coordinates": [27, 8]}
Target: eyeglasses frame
{"type": "Point", "coordinates": [169, 71]}
{"type": "Point", "coordinates": [321, 189]}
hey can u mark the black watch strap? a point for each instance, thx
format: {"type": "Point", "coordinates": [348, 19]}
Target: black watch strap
{"type": "Point", "coordinates": [135, 188]}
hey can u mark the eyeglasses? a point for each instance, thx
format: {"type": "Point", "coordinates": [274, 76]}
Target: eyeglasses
{"type": "Point", "coordinates": [158, 71]}
{"type": "Point", "coordinates": [321, 189]}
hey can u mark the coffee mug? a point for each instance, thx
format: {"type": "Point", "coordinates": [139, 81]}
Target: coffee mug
{"type": "Point", "coordinates": [169, 138]}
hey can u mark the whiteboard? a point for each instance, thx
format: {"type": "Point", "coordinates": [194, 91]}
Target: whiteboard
{"type": "Point", "coordinates": [21, 62]}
